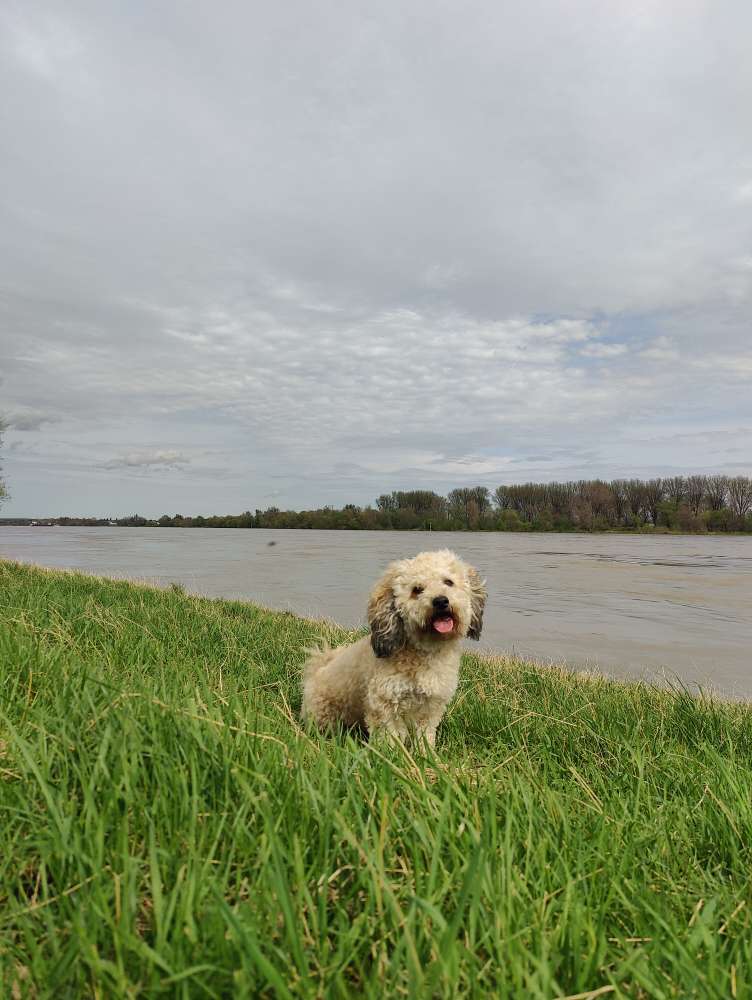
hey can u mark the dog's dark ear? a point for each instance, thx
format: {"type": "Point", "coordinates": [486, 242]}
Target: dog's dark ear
{"type": "Point", "coordinates": [387, 628]}
{"type": "Point", "coordinates": [477, 603]}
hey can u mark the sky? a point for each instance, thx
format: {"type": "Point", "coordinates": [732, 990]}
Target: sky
{"type": "Point", "coordinates": [306, 253]}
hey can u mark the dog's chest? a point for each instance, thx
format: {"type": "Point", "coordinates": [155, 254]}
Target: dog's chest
{"type": "Point", "coordinates": [408, 694]}
{"type": "Point", "coordinates": [413, 690]}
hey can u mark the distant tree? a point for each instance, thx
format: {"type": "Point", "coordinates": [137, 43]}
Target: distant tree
{"type": "Point", "coordinates": [635, 490]}
{"type": "Point", "coordinates": [134, 521]}
{"type": "Point", "coordinates": [527, 499]}
{"type": "Point", "coordinates": [468, 504]}
{"type": "Point", "coordinates": [696, 487]}
{"type": "Point", "coordinates": [716, 491]}
{"type": "Point", "coordinates": [693, 503]}
{"type": "Point", "coordinates": [619, 494]}
{"type": "Point", "coordinates": [3, 490]}
{"type": "Point", "coordinates": [420, 501]}
{"type": "Point", "coordinates": [676, 489]}
{"type": "Point", "coordinates": [740, 497]}
{"type": "Point", "coordinates": [718, 519]}
{"type": "Point", "coordinates": [501, 498]}
{"type": "Point", "coordinates": [655, 493]}
{"type": "Point", "coordinates": [687, 521]}
{"type": "Point", "coordinates": [601, 499]}
{"type": "Point", "coordinates": [481, 496]}
{"type": "Point", "coordinates": [459, 502]}
{"type": "Point", "coordinates": [387, 501]}
{"type": "Point", "coordinates": [581, 512]}
{"type": "Point", "coordinates": [668, 514]}
{"type": "Point", "coordinates": [559, 498]}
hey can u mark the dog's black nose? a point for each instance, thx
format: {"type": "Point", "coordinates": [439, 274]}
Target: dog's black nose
{"type": "Point", "coordinates": [441, 603]}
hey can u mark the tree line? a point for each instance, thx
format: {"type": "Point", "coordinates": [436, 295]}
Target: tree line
{"type": "Point", "coordinates": [670, 504]}
{"type": "Point", "coordinates": [3, 489]}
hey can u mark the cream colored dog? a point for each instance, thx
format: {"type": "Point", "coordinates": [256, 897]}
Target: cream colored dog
{"type": "Point", "coordinates": [400, 679]}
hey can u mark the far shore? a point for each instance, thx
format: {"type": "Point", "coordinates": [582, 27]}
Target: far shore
{"type": "Point", "coordinates": [649, 530]}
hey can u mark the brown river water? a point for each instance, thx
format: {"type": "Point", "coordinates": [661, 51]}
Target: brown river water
{"type": "Point", "coordinates": [670, 608]}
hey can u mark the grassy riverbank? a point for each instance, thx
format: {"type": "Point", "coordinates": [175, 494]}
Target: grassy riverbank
{"type": "Point", "coordinates": [167, 829]}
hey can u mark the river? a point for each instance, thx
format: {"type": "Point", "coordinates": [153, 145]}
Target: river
{"type": "Point", "coordinates": [670, 607]}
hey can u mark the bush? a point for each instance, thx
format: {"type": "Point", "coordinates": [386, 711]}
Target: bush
{"type": "Point", "coordinates": [509, 520]}
{"type": "Point", "coordinates": [718, 520]}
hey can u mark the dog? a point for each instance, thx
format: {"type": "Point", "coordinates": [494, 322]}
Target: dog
{"type": "Point", "coordinates": [398, 681]}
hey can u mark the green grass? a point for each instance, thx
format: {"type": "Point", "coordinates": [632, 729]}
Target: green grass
{"type": "Point", "coordinates": [168, 829]}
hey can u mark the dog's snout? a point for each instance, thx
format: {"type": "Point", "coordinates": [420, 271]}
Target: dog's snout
{"type": "Point", "coordinates": [441, 603]}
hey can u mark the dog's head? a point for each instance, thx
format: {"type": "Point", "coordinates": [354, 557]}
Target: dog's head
{"type": "Point", "coordinates": [433, 598]}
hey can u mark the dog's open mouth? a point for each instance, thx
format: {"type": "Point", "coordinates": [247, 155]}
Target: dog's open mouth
{"type": "Point", "coordinates": [443, 624]}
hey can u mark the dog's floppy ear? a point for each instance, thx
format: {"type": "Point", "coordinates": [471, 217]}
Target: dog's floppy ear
{"type": "Point", "coordinates": [387, 628]}
{"type": "Point", "coordinates": [477, 603]}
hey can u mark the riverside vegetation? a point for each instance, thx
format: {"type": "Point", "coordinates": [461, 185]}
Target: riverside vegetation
{"type": "Point", "coordinates": [682, 504]}
{"type": "Point", "coordinates": [167, 828]}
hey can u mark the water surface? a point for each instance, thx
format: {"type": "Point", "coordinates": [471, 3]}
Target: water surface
{"type": "Point", "coordinates": [634, 606]}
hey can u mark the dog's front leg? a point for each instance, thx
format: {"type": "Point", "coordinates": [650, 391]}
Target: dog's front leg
{"type": "Point", "coordinates": [428, 721]}
{"type": "Point", "coordinates": [429, 735]}
{"type": "Point", "coordinates": [382, 729]}
{"type": "Point", "coordinates": [383, 719]}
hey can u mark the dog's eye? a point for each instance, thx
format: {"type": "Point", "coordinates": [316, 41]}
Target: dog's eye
{"type": "Point", "coordinates": [449, 583]}
{"type": "Point", "coordinates": [418, 590]}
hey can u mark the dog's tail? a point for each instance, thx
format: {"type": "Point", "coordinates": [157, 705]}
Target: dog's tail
{"type": "Point", "coordinates": [317, 656]}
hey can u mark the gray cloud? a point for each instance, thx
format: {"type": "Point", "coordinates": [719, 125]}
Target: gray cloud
{"type": "Point", "coordinates": [148, 460]}
{"type": "Point", "coordinates": [326, 251]}
{"type": "Point", "coordinates": [28, 419]}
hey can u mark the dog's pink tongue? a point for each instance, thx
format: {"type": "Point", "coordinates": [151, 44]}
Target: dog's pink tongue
{"type": "Point", "coordinates": [444, 624]}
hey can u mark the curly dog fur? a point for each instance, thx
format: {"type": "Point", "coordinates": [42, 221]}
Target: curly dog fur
{"type": "Point", "coordinates": [399, 680]}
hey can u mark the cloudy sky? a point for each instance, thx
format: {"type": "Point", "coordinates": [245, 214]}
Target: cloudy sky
{"type": "Point", "coordinates": [302, 253]}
